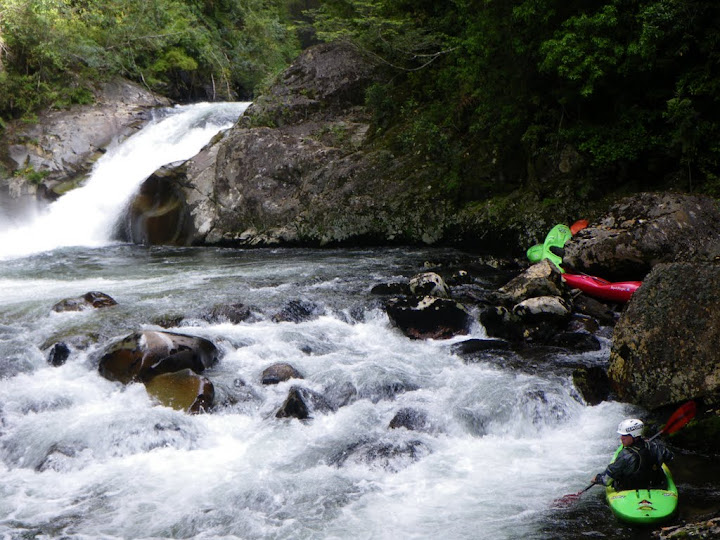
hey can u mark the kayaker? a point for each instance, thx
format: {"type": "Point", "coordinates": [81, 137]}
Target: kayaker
{"type": "Point", "coordinates": [639, 464]}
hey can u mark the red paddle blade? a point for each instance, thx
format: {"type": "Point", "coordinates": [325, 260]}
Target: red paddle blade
{"type": "Point", "coordinates": [680, 418]}
{"type": "Point", "coordinates": [566, 500]}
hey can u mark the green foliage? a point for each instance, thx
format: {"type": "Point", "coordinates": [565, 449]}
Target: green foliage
{"type": "Point", "coordinates": [633, 85]}
{"type": "Point", "coordinates": [52, 51]}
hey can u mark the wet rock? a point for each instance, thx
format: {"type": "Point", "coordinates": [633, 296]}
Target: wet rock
{"type": "Point", "coordinates": [232, 313]}
{"type": "Point", "coordinates": [59, 457]}
{"type": "Point", "coordinates": [298, 311]}
{"type": "Point", "coordinates": [143, 355]}
{"type": "Point", "coordinates": [182, 390]}
{"type": "Point", "coordinates": [703, 529]}
{"type": "Point", "coordinates": [386, 391]}
{"type": "Point", "coordinates": [592, 383]}
{"type": "Point", "coordinates": [410, 419]}
{"type": "Point", "coordinates": [279, 372]}
{"type": "Point", "coordinates": [429, 317]}
{"type": "Point", "coordinates": [58, 355]}
{"type": "Point", "coordinates": [575, 341]}
{"type": "Point", "coordinates": [387, 455]}
{"type": "Point", "coordinates": [301, 403]}
{"type": "Point", "coordinates": [597, 310]}
{"type": "Point", "coordinates": [391, 289]}
{"type": "Point", "coordinates": [90, 300]}
{"type": "Point", "coordinates": [664, 348]}
{"type": "Point", "coordinates": [157, 213]}
{"type": "Point", "coordinates": [644, 230]}
{"type": "Point", "coordinates": [472, 346]}
{"type": "Point", "coordinates": [340, 395]}
{"type": "Point", "coordinates": [429, 284]}
{"type": "Point", "coordinates": [500, 322]}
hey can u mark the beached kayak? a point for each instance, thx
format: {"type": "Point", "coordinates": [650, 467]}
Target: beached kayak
{"type": "Point", "coordinates": [618, 291]}
{"type": "Point", "coordinates": [644, 506]}
{"type": "Point", "coordinates": [557, 237]}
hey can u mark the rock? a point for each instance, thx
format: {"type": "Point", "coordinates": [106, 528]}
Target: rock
{"type": "Point", "coordinates": [664, 347]}
{"type": "Point", "coordinates": [232, 313]}
{"type": "Point", "coordinates": [575, 341]}
{"type": "Point", "coordinates": [325, 78]}
{"type": "Point", "coordinates": [472, 346]}
{"type": "Point", "coordinates": [500, 322]}
{"type": "Point", "coordinates": [340, 394]}
{"type": "Point", "coordinates": [410, 419]}
{"type": "Point", "coordinates": [279, 372]}
{"type": "Point", "coordinates": [301, 403]}
{"type": "Point", "coordinates": [703, 529]}
{"type": "Point", "coordinates": [644, 230]}
{"type": "Point", "coordinates": [428, 317]}
{"type": "Point", "coordinates": [143, 355]}
{"type": "Point", "coordinates": [391, 289]}
{"type": "Point", "coordinates": [64, 144]}
{"type": "Point", "coordinates": [429, 284]}
{"type": "Point", "coordinates": [157, 213]}
{"type": "Point", "coordinates": [592, 383]}
{"type": "Point", "coordinates": [541, 279]}
{"type": "Point", "coordinates": [182, 390]}
{"type": "Point", "coordinates": [277, 178]}
{"type": "Point", "coordinates": [91, 300]}
{"type": "Point", "coordinates": [551, 309]}
{"type": "Point", "coordinates": [387, 455]}
{"type": "Point", "coordinates": [59, 354]}
{"type": "Point", "coordinates": [297, 311]}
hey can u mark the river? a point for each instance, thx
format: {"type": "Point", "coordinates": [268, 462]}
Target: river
{"type": "Point", "coordinates": [83, 457]}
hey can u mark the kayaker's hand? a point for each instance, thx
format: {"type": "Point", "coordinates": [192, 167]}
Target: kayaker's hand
{"type": "Point", "coordinates": [597, 479]}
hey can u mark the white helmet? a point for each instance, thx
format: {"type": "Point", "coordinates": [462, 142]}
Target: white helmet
{"type": "Point", "coordinates": [631, 426]}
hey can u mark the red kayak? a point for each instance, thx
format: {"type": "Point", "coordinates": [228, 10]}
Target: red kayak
{"type": "Point", "coordinates": [618, 291]}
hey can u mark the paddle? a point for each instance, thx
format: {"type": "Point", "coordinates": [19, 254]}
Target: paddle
{"type": "Point", "coordinates": [677, 421]}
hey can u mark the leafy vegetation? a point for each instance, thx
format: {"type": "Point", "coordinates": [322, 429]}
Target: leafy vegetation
{"type": "Point", "coordinates": [494, 91]}
{"type": "Point", "coordinates": [51, 51]}
{"type": "Point", "coordinates": [630, 84]}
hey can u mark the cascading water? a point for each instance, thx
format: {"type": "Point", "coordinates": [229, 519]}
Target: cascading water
{"type": "Point", "coordinates": [83, 457]}
{"type": "Point", "coordinates": [85, 217]}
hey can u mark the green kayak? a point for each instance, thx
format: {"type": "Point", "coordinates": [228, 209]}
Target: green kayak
{"type": "Point", "coordinates": [645, 506]}
{"type": "Point", "coordinates": [557, 237]}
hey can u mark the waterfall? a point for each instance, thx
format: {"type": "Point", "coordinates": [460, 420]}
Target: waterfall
{"type": "Point", "coordinates": [86, 216]}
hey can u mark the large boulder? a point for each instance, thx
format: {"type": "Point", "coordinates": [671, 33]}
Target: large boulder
{"type": "Point", "coordinates": [144, 355]}
{"type": "Point", "coordinates": [644, 230]}
{"type": "Point", "coordinates": [328, 77]}
{"type": "Point", "coordinates": [665, 343]}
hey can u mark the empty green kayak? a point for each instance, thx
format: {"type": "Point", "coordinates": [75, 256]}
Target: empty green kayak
{"type": "Point", "coordinates": [644, 506]}
{"type": "Point", "coordinates": [557, 237]}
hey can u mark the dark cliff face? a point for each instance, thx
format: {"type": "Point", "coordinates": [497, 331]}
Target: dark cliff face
{"type": "Point", "coordinates": [300, 167]}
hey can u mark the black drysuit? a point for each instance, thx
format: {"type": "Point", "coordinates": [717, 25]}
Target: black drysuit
{"type": "Point", "coordinates": [638, 466]}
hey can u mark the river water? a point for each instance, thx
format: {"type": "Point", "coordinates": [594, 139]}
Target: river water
{"type": "Point", "coordinates": [83, 457]}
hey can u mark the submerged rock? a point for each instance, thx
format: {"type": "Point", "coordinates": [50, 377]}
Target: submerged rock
{"type": "Point", "coordinates": [90, 300]}
{"type": "Point", "coordinates": [279, 372]}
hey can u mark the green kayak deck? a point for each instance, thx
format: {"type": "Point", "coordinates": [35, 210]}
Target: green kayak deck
{"type": "Point", "coordinates": [645, 506]}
